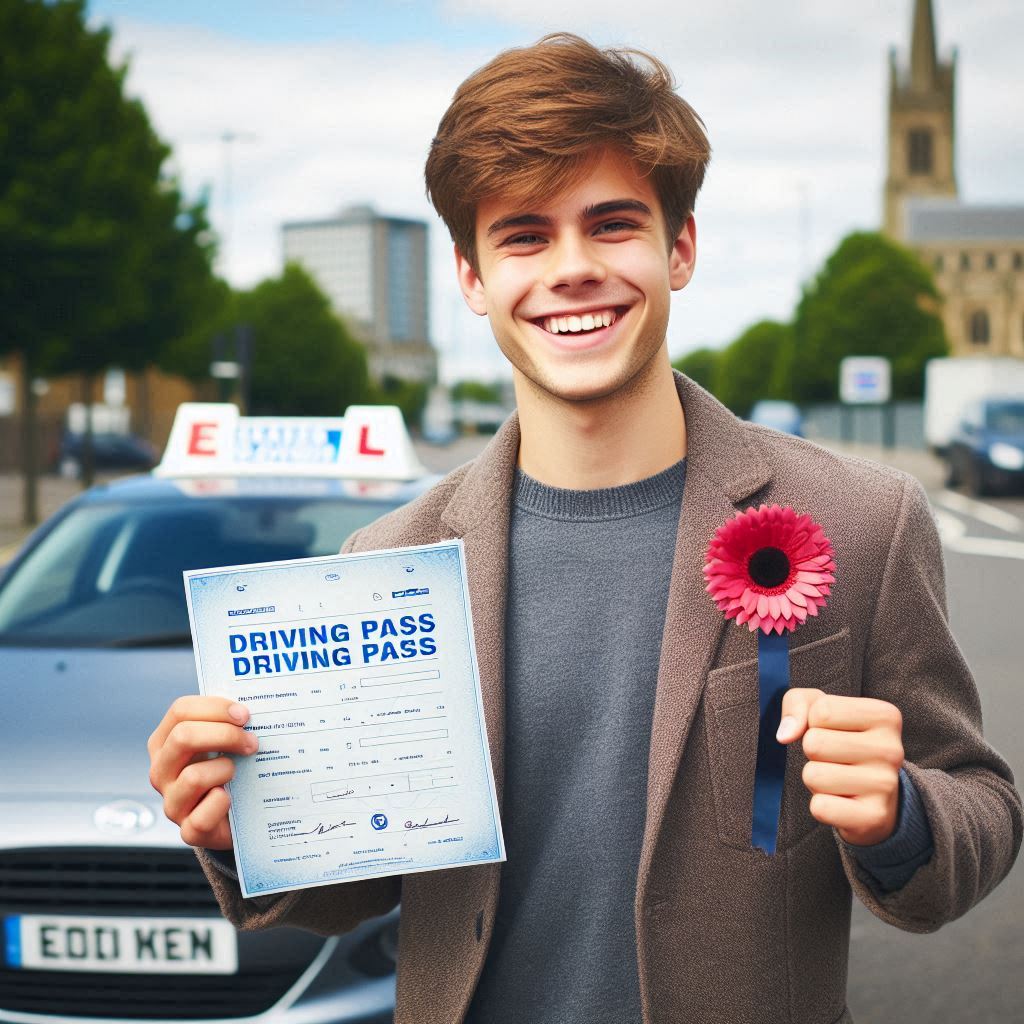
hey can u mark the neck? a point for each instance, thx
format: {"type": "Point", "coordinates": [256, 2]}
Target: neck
{"type": "Point", "coordinates": [626, 436]}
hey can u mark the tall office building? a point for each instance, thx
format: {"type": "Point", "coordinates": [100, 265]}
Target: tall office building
{"type": "Point", "coordinates": [374, 271]}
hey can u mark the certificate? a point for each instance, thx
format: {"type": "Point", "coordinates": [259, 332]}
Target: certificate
{"type": "Point", "coordinates": [360, 675]}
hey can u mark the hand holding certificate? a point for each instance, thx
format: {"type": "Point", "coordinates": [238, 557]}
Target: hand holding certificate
{"type": "Point", "coordinates": [359, 674]}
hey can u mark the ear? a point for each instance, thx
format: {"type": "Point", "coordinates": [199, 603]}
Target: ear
{"type": "Point", "coordinates": [470, 284]}
{"type": "Point", "coordinates": [683, 258]}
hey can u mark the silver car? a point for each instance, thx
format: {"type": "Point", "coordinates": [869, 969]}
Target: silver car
{"type": "Point", "coordinates": [105, 911]}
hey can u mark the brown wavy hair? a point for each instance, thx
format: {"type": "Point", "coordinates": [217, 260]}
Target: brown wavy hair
{"type": "Point", "coordinates": [528, 124]}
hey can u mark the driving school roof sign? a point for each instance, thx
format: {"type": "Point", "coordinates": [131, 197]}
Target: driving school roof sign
{"type": "Point", "coordinates": [369, 442]}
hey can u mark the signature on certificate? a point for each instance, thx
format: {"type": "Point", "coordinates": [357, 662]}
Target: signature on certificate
{"type": "Point", "coordinates": [323, 829]}
{"type": "Point", "coordinates": [447, 820]}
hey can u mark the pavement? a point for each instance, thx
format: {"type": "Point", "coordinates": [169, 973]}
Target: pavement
{"type": "Point", "coordinates": [54, 491]}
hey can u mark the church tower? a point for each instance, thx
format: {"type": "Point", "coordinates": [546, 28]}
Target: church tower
{"type": "Point", "coordinates": [921, 129]}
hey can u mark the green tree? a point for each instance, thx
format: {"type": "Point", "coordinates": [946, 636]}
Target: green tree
{"type": "Point", "coordinates": [409, 395]}
{"type": "Point", "coordinates": [88, 227]}
{"type": "Point", "coordinates": [754, 366]}
{"type": "Point", "coordinates": [189, 354]}
{"type": "Point", "coordinates": [304, 361]}
{"type": "Point", "coordinates": [700, 365]}
{"type": "Point", "coordinates": [176, 282]}
{"type": "Point", "coordinates": [871, 298]}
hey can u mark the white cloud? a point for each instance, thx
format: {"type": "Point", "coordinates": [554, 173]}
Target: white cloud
{"type": "Point", "coordinates": [793, 94]}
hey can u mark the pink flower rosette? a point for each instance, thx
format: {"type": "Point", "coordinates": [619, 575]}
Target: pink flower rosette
{"type": "Point", "coordinates": [769, 568]}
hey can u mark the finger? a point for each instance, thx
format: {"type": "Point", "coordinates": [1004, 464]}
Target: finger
{"type": "Point", "coordinates": [207, 825]}
{"type": "Point", "coordinates": [194, 782]}
{"type": "Point", "coordinates": [856, 816]}
{"type": "Point", "coordinates": [196, 709]}
{"type": "Point", "coordinates": [850, 780]}
{"type": "Point", "coordinates": [853, 713]}
{"type": "Point", "coordinates": [796, 704]}
{"type": "Point", "coordinates": [852, 747]}
{"type": "Point", "coordinates": [189, 741]}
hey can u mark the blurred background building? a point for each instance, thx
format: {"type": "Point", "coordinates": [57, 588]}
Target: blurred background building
{"type": "Point", "coordinates": [374, 271]}
{"type": "Point", "coordinates": [976, 252]}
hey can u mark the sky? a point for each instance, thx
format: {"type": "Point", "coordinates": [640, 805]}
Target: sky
{"type": "Point", "coordinates": [334, 102]}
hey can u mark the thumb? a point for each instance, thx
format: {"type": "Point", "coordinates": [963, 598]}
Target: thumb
{"type": "Point", "coordinates": [796, 704]}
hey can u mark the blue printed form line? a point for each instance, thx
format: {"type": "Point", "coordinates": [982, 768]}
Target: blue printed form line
{"type": "Point", "coordinates": [12, 931]}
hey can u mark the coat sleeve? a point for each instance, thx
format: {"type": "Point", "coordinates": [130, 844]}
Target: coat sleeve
{"type": "Point", "coordinates": [326, 910]}
{"type": "Point", "coordinates": [967, 789]}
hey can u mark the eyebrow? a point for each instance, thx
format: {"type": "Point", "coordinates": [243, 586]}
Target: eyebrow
{"type": "Point", "coordinates": [616, 206]}
{"type": "Point", "coordinates": [523, 220]}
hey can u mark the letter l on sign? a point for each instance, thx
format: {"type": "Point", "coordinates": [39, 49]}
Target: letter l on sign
{"type": "Point", "coordinates": [364, 443]}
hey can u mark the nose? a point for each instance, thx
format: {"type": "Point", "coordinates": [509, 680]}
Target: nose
{"type": "Point", "coordinates": [573, 260]}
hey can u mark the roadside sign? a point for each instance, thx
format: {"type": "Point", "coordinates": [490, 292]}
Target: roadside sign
{"type": "Point", "coordinates": [865, 380]}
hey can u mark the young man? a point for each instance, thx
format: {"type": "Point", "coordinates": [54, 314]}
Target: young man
{"type": "Point", "coordinates": [622, 710]}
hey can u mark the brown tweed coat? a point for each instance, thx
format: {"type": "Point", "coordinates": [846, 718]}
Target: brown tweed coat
{"type": "Point", "coordinates": [725, 934]}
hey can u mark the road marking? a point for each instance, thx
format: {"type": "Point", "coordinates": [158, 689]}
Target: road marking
{"type": "Point", "coordinates": [950, 528]}
{"type": "Point", "coordinates": [997, 517]}
{"type": "Point", "coordinates": [953, 533]}
{"type": "Point", "coordinates": [992, 547]}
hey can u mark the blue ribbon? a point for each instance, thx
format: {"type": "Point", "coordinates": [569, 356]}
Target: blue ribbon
{"type": "Point", "coordinates": [772, 683]}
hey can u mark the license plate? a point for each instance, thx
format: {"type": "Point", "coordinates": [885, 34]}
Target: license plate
{"type": "Point", "coordinates": [137, 945]}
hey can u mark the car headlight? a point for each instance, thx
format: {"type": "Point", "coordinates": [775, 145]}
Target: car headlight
{"type": "Point", "coordinates": [1006, 456]}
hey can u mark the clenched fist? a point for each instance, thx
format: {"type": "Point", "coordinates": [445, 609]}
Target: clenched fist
{"type": "Point", "coordinates": [189, 769]}
{"type": "Point", "coordinates": [854, 754]}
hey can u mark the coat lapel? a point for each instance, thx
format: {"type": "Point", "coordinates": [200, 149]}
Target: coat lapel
{"type": "Point", "coordinates": [722, 469]}
{"type": "Point", "coordinates": [479, 513]}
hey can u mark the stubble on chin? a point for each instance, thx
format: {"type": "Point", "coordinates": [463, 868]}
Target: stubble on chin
{"type": "Point", "coordinates": [585, 386]}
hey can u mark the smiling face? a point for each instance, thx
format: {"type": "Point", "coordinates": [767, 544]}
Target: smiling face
{"type": "Point", "coordinates": [577, 287]}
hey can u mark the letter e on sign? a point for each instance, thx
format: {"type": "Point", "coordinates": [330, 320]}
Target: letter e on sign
{"type": "Point", "coordinates": [202, 440]}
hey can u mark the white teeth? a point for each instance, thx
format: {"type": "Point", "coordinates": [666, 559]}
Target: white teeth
{"type": "Point", "coordinates": [575, 324]}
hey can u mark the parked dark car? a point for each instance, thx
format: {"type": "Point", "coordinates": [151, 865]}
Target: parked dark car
{"type": "Point", "coordinates": [124, 452]}
{"type": "Point", "coordinates": [986, 452]}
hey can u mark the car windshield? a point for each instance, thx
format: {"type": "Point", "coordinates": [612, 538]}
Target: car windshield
{"type": "Point", "coordinates": [109, 573]}
{"type": "Point", "coordinates": [1006, 418]}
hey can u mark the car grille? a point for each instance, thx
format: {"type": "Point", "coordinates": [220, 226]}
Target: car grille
{"type": "Point", "coordinates": [104, 881]}
{"type": "Point", "coordinates": [135, 882]}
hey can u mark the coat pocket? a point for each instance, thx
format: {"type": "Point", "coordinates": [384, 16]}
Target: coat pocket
{"type": "Point", "coordinates": [731, 724]}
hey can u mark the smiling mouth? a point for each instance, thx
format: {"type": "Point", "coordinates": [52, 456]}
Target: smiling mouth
{"type": "Point", "coordinates": [581, 323]}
